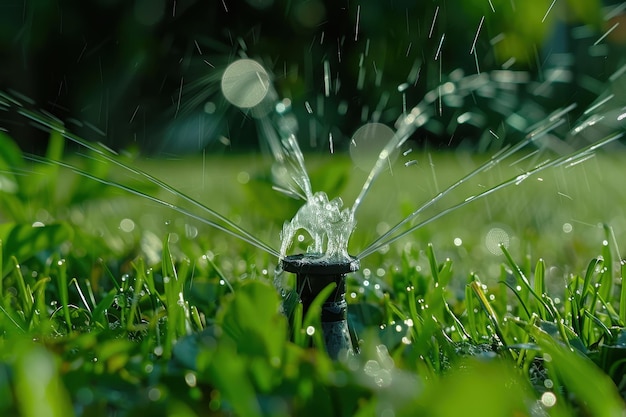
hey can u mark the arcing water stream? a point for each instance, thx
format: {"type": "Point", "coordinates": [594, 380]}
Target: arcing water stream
{"type": "Point", "coordinates": [248, 85]}
{"type": "Point", "coordinates": [330, 226]}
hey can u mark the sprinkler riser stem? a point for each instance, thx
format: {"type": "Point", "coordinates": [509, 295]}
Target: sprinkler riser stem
{"type": "Point", "coordinates": [311, 278]}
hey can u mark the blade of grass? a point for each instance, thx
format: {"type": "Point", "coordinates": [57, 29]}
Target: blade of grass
{"type": "Point", "coordinates": [139, 284]}
{"type": "Point", "coordinates": [24, 291]}
{"type": "Point", "coordinates": [298, 334]}
{"type": "Point", "coordinates": [476, 287]}
{"type": "Point", "coordinates": [606, 277]}
{"type": "Point", "coordinates": [622, 298]}
{"type": "Point", "coordinates": [526, 289]}
{"type": "Point", "coordinates": [540, 287]}
{"type": "Point", "coordinates": [432, 261]}
{"type": "Point", "coordinates": [592, 387]}
{"type": "Point", "coordinates": [471, 310]}
{"type": "Point", "coordinates": [313, 314]}
{"type": "Point", "coordinates": [100, 310]}
{"type": "Point", "coordinates": [63, 292]}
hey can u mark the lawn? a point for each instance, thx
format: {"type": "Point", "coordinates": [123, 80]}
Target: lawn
{"type": "Point", "coordinates": [114, 305]}
{"type": "Point", "coordinates": [147, 282]}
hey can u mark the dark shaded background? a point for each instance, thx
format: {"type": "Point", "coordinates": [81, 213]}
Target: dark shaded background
{"type": "Point", "coordinates": [146, 73]}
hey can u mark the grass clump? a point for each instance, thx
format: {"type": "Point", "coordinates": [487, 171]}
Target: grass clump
{"type": "Point", "coordinates": [180, 323]}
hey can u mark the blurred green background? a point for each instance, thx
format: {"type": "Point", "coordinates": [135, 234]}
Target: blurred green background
{"type": "Point", "coordinates": [145, 73]}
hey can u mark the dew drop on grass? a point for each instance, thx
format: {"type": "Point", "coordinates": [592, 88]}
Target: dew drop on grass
{"type": "Point", "coordinates": [310, 330]}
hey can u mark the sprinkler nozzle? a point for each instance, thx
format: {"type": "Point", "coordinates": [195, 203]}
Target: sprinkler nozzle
{"type": "Point", "coordinates": [313, 274]}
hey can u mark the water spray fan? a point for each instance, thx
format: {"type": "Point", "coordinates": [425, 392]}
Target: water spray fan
{"type": "Point", "coordinates": [247, 85]}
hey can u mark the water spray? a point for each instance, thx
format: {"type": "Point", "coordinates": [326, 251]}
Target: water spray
{"type": "Point", "coordinates": [247, 85]}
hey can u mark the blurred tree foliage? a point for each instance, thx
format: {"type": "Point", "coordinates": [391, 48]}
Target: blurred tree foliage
{"type": "Point", "coordinates": [146, 73]}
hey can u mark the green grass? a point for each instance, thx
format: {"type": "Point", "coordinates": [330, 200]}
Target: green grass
{"type": "Point", "coordinates": [168, 317]}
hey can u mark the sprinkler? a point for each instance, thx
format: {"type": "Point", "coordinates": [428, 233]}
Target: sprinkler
{"type": "Point", "coordinates": [313, 274]}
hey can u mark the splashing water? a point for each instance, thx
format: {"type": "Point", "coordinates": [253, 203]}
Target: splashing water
{"type": "Point", "coordinates": [330, 225]}
{"type": "Point", "coordinates": [246, 84]}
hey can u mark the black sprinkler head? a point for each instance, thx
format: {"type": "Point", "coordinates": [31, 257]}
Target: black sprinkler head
{"type": "Point", "coordinates": [313, 274]}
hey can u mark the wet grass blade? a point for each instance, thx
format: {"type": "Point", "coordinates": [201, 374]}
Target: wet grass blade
{"type": "Point", "coordinates": [622, 297]}
{"type": "Point", "coordinates": [313, 314]}
{"type": "Point", "coordinates": [592, 387]}
{"type": "Point", "coordinates": [606, 277]}
{"type": "Point", "coordinates": [471, 310]}
{"type": "Point", "coordinates": [25, 294]}
{"type": "Point", "coordinates": [476, 287]}
{"type": "Point", "coordinates": [432, 261]}
{"type": "Point", "coordinates": [63, 292]}
{"type": "Point", "coordinates": [525, 288]}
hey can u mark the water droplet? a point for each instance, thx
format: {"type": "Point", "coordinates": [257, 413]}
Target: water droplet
{"type": "Point", "coordinates": [548, 399]}
{"type": "Point", "coordinates": [245, 83]}
{"type": "Point", "coordinates": [458, 241]}
{"type": "Point", "coordinates": [310, 330]}
{"type": "Point", "coordinates": [127, 225]}
{"type": "Point", "coordinates": [496, 237]}
{"type": "Point", "coordinates": [371, 367]}
{"type": "Point", "coordinates": [243, 177]}
{"type": "Point", "coordinates": [368, 143]}
{"type": "Point", "coordinates": [154, 394]}
{"type": "Point", "coordinates": [190, 379]}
